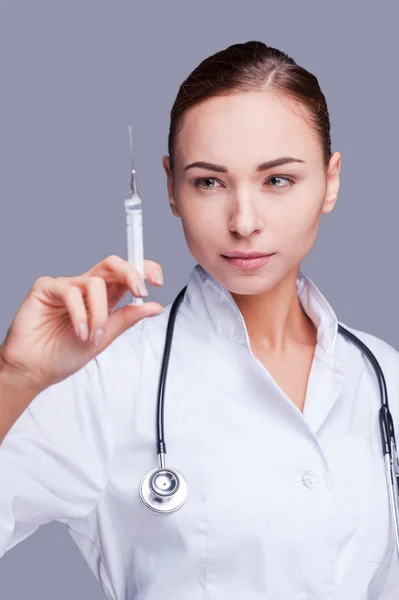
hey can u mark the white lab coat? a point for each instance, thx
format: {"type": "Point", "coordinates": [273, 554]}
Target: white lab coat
{"type": "Point", "coordinates": [282, 504]}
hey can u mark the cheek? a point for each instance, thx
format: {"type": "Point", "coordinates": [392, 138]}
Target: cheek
{"type": "Point", "coordinates": [297, 229]}
{"type": "Point", "coordinates": [298, 218]}
{"type": "Point", "coordinates": [201, 225]}
{"type": "Point", "coordinates": [198, 234]}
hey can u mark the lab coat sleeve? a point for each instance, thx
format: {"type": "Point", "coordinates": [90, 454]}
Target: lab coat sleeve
{"type": "Point", "coordinates": [55, 459]}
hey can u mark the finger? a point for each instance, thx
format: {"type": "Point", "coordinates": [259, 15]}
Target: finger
{"type": "Point", "coordinates": [114, 267]}
{"type": "Point", "coordinates": [68, 296]}
{"type": "Point", "coordinates": [75, 305]}
{"type": "Point", "coordinates": [97, 304]}
{"type": "Point", "coordinates": [153, 272]}
{"type": "Point", "coordinates": [126, 274]}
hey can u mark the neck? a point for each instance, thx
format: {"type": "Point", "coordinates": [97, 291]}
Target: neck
{"type": "Point", "coordinates": [275, 320]}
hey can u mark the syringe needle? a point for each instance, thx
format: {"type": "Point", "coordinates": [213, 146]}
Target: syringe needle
{"type": "Point", "coordinates": [131, 142]}
{"type": "Point", "coordinates": [133, 184]}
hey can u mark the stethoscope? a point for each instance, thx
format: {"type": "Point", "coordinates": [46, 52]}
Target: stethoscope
{"type": "Point", "coordinates": [165, 490]}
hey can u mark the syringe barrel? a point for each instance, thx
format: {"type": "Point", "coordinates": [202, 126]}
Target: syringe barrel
{"type": "Point", "coordinates": [134, 233]}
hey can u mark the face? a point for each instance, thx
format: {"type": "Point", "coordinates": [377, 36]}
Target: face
{"type": "Point", "coordinates": [240, 208]}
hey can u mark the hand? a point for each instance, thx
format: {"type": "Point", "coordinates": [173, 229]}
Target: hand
{"type": "Point", "coordinates": [43, 343]}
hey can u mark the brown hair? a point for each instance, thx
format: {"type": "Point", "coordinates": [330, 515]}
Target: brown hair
{"type": "Point", "coordinates": [253, 66]}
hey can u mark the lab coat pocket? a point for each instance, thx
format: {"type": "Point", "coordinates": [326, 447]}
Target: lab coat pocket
{"type": "Point", "coordinates": [370, 494]}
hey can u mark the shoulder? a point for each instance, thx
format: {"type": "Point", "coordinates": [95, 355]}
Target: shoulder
{"type": "Point", "coordinates": [125, 360]}
{"type": "Point", "coordinates": [132, 339]}
{"type": "Point", "coordinates": [384, 352]}
{"type": "Point", "coordinates": [388, 359]}
{"type": "Point", "coordinates": [146, 330]}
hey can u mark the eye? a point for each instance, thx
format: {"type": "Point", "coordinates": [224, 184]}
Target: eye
{"type": "Point", "coordinates": [280, 177]}
{"type": "Point", "coordinates": [198, 182]}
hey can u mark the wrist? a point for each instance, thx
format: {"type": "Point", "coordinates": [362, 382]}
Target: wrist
{"type": "Point", "coordinates": [17, 391]}
{"type": "Point", "coordinates": [15, 378]}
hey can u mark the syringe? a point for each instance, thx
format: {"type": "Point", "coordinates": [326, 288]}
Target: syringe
{"type": "Point", "coordinates": [134, 225]}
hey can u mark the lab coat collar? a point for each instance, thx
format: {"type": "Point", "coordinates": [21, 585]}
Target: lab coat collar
{"type": "Point", "coordinates": [213, 303]}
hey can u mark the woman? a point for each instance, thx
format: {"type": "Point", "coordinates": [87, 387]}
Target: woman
{"type": "Point", "coordinates": [270, 414]}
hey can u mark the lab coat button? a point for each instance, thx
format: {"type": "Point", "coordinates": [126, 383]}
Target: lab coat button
{"type": "Point", "coordinates": [310, 479]}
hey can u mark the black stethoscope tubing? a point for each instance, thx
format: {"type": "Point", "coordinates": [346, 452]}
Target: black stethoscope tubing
{"type": "Point", "coordinates": [172, 483]}
{"type": "Point", "coordinates": [385, 419]}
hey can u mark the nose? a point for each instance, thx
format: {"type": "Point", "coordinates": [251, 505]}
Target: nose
{"type": "Point", "coordinates": [245, 217]}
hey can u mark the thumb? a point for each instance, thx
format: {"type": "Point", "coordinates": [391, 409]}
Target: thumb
{"type": "Point", "coordinates": [125, 317]}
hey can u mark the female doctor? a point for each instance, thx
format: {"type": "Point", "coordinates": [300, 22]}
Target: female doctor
{"type": "Point", "coordinates": [270, 414]}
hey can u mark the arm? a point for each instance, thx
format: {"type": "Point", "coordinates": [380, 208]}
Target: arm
{"type": "Point", "coordinates": [16, 393]}
{"type": "Point", "coordinates": [55, 457]}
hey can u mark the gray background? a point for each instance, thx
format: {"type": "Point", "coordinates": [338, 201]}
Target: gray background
{"type": "Point", "coordinates": [75, 74]}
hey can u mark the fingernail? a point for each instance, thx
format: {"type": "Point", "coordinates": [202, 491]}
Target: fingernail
{"type": "Point", "coordinates": [158, 278]}
{"type": "Point", "coordinates": [140, 288]}
{"type": "Point", "coordinates": [98, 337]}
{"type": "Point", "coordinates": [83, 332]}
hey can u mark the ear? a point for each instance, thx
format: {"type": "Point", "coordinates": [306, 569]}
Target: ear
{"type": "Point", "coordinates": [333, 171]}
{"type": "Point", "coordinates": [172, 201]}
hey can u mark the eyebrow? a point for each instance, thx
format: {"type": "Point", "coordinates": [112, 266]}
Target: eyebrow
{"type": "Point", "coordinates": [264, 166]}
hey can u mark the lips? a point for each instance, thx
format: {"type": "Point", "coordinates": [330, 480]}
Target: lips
{"type": "Point", "coordinates": [247, 254]}
{"type": "Point", "coordinates": [249, 263]}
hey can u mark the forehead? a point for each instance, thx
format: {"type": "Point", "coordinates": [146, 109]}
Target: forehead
{"type": "Point", "coordinates": [256, 125]}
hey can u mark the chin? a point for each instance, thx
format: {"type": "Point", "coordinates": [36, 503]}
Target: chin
{"type": "Point", "coordinates": [250, 290]}
{"type": "Point", "coordinates": [245, 285]}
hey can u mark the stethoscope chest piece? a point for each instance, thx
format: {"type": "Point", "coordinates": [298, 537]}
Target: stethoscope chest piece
{"type": "Point", "coordinates": [163, 490]}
